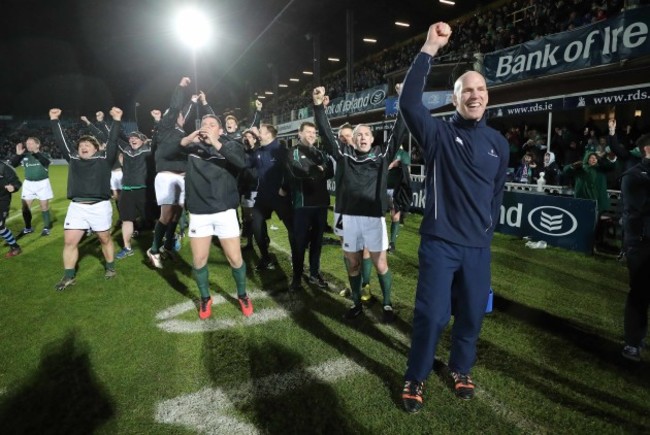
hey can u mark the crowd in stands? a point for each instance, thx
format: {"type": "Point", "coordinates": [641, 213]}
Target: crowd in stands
{"type": "Point", "coordinates": [497, 28]}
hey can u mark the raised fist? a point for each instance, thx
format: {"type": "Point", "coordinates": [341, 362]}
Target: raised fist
{"type": "Point", "coordinates": [116, 113]}
{"type": "Point", "coordinates": [318, 94]}
{"type": "Point", "coordinates": [156, 114]}
{"type": "Point", "coordinates": [258, 105]}
{"type": "Point", "coordinates": [55, 113]}
{"type": "Point", "coordinates": [85, 120]}
{"type": "Point", "coordinates": [100, 116]}
{"type": "Point", "coordinates": [437, 37]}
{"type": "Point", "coordinates": [612, 124]}
{"type": "Point", "coordinates": [20, 148]}
{"type": "Point", "coordinates": [185, 82]}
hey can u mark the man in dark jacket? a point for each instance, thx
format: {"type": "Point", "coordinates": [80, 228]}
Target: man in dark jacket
{"type": "Point", "coordinates": [635, 188]}
{"type": "Point", "coordinates": [269, 161]}
{"type": "Point", "coordinates": [466, 164]}
{"type": "Point", "coordinates": [309, 169]}
{"type": "Point", "coordinates": [9, 183]}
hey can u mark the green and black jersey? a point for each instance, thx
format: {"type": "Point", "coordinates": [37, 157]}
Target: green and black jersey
{"type": "Point", "coordinates": [395, 174]}
{"type": "Point", "coordinates": [362, 189]}
{"type": "Point", "coordinates": [211, 178]}
{"type": "Point", "coordinates": [135, 164]}
{"type": "Point", "coordinates": [308, 183]}
{"type": "Point", "coordinates": [88, 179]}
{"type": "Point", "coordinates": [36, 165]}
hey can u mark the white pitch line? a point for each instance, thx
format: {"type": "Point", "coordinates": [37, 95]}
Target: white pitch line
{"type": "Point", "coordinates": [207, 410]}
{"type": "Point", "coordinates": [186, 306]}
{"type": "Point", "coordinates": [513, 417]}
{"type": "Point", "coordinates": [193, 326]}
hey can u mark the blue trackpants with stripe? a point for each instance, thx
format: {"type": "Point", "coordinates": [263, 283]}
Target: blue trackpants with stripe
{"type": "Point", "coordinates": [448, 270]}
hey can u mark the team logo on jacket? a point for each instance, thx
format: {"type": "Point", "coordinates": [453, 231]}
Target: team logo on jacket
{"type": "Point", "coordinates": [459, 140]}
{"type": "Point", "coordinates": [493, 153]}
{"type": "Point", "coordinates": [552, 221]}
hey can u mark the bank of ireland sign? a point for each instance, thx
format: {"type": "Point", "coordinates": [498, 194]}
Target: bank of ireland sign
{"type": "Point", "coordinates": [560, 221]}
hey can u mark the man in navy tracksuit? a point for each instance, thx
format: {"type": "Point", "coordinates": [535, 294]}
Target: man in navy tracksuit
{"type": "Point", "coordinates": [269, 161]}
{"type": "Point", "coordinates": [466, 165]}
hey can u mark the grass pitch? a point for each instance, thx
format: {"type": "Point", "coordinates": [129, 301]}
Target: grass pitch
{"type": "Point", "coordinates": [131, 356]}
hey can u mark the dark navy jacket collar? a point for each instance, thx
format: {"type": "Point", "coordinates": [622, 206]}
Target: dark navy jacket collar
{"type": "Point", "coordinates": [467, 123]}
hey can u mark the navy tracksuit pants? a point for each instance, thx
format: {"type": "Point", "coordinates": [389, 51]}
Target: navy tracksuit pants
{"type": "Point", "coordinates": [448, 270]}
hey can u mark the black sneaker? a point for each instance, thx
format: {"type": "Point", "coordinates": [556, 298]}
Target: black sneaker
{"type": "Point", "coordinates": [388, 315]}
{"type": "Point", "coordinates": [633, 353]}
{"type": "Point", "coordinates": [24, 232]}
{"type": "Point", "coordinates": [412, 396]}
{"type": "Point", "coordinates": [353, 312]}
{"type": "Point", "coordinates": [391, 247]}
{"type": "Point", "coordinates": [318, 280]}
{"type": "Point", "coordinates": [265, 264]}
{"type": "Point", "coordinates": [463, 386]}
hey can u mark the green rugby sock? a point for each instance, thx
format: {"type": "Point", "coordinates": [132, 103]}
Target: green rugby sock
{"type": "Point", "coordinates": [366, 271]}
{"type": "Point", "coordinates": [386, 283]}
{"type": "Point", "coordinates": [394, 231]}
{"type": "Point", "coordinates": [47, 221]}
{"type": "Point", "coordinates": [201, 278]}
{"type": "Point", "coordinates": [240, 279]}
{"type": "Point", "coordinates": [355, 286]}
{"type": "Point", "coordinates": [158, 233]}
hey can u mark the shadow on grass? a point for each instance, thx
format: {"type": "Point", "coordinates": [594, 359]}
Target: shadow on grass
{"type": "Point", "coordinates": [310, 406]}
{"type": "Point", "coordinates": [586, 399]}
{"type": "Point", "coordinates": [63, 396]}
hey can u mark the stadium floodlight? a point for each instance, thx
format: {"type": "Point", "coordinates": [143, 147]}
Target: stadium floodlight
{"type": "Point", "coordinates": [402, 24]}
{"type": "Point", "coordinates": [283, 85]}
{"type": "Point", "coordinates": [370, 40]}
{"type": "Point", "coordinates": [192, 27]}
{"type": "Point", "coordinates": [448, 2]}
{"type": "Point", "coordinates": [293, 79]}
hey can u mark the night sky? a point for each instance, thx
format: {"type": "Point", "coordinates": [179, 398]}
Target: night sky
{"type": "Point", "coordinates": [84, 56]}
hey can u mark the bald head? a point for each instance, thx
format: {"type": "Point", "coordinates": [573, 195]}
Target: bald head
{"type": "Point", "coordinates": [470, 95]}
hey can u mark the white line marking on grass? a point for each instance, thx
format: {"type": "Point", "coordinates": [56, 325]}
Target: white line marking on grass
{"type": "Point", "coordinates": [207, 410]}
{"type": "Point", "coordinates": [513, 417]}
{"type": "Point", "coordinates": [264, 315]}
{"type": "Point", "coordinates": [186, 306]}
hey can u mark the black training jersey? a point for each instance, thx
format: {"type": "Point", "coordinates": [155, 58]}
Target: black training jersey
{"type": "Point", "coordinates": [134, 165]}
{"type": "Point", "coordinates": [88, 179]}
{"type": "Point", "coordinates": [211, 178]}
{"type": "Point", "coordinates": [309, 169]}
{"type": "Point", "coordinates": [362, 190]}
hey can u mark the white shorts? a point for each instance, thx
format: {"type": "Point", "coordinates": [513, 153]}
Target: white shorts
{"type": "Point", "coordinates": [41, 190]}
{"type": "Point", "coordinates": [97, 217]}
{"type": "Point", "coordinates": [248, 202]}
{"type": "Point", "coordinates": [116, 180]}
{"type": "Point", "coordinates": [170, 188]}
{"type": "Point", "coordinates": [223, 225]}
{"type": "Point", "coordinates": [338, 224]}
{"type": "Point", "coordinates": [364, 231]}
